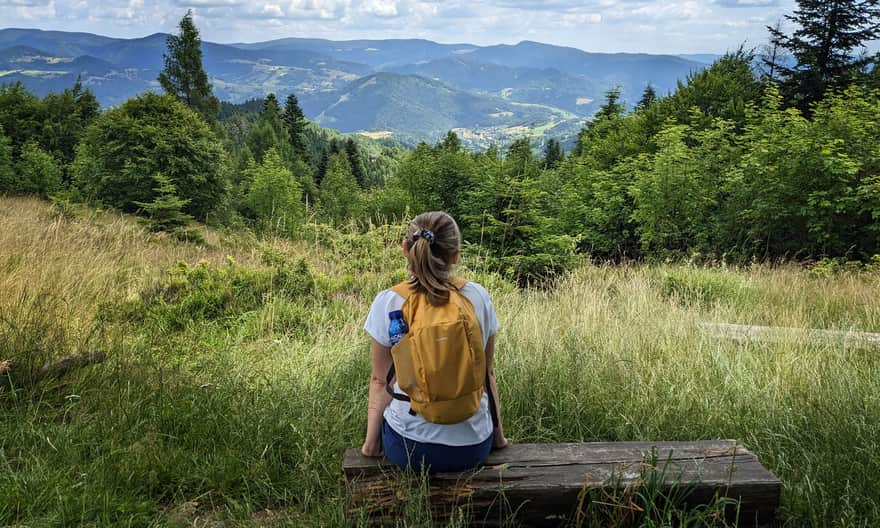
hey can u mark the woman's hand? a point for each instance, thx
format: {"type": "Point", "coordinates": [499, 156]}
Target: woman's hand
{"type": "Point", "coordinates": [498, 440]}
{"type": "Point", "coordinates": [371, 449]}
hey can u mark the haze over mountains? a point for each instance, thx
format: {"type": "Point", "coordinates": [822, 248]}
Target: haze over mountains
{"type": "Point", "coordinates": [410, 89]}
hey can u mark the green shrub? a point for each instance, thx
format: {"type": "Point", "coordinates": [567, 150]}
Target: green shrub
{"type": "Point", "coordinates": [38, 171]}
{"type": "Point", "coordinates": [65, 204]}
{"type": "Point", "coordinates": [222, 293]}
{"type": "Point", "coordinates": [123, 150]}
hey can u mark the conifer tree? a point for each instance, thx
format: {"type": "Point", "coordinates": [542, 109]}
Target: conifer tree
{"type": "Point", "coordinates": [771, 55]}
{"type": "Point", "coordinates": [295, 121]}
{"type": "Point", "coordinates": [611, 110]}
{"type": "Point", "coordinates": [184, 76]}
{"type": "Point", "coordinates": [165, 212]}
{"type": "Point", "coordinates": [512, 222]}
{"type": "Point", "coordinates": [648, 97]}
{"type": "Point", "coordinates": [613, 106]}
{"type": "Point", "coordinates": [354, 158]}
{"type": "Point", "coordinates": [829, 35]}
{"type": "Point", "coordinates": [271, 108]}
{"type": "Point", "coordinates": [321, 171]}
{"type": "Point", "coordinates": [450, 143]}
{"type": "Point", "coordinates": [269, 132]}
{"type": "Point", "coordinates": [553, 155]}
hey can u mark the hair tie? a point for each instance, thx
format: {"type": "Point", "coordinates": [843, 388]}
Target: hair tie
{"type": "Point", "coordinates": [426, 234]}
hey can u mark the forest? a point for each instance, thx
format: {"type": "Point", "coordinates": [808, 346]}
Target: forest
{"type": "Point", "coordinates": [747, 160]}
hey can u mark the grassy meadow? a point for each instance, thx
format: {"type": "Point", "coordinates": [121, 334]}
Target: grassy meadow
{"type": "Point", "coordinates": [237, 371]}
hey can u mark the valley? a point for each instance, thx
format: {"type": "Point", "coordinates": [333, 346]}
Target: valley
{"type": "Point", "coordinates": [415, 89]}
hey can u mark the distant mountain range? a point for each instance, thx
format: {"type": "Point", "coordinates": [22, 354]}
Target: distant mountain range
{"type": "Point", "coordinates": [412, 89]}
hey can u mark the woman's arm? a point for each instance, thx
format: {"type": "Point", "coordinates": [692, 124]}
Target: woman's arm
{"type": "Point", "coordinates": [379, 398]}
{"type": "Point", "coordinates": [498, 439]}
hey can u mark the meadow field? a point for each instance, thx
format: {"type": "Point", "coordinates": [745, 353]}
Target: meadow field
{"type": "Point", "coordinates": [237, 370]}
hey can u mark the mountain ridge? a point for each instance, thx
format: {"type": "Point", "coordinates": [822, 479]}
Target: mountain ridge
{"type": "Point", "coordinates": [491, 90]}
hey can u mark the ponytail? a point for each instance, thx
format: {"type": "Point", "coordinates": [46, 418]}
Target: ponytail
{"type": "Point", "coordinates": [432, 240]}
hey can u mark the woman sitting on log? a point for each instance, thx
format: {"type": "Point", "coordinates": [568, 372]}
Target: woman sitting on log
{"type": "Point", "coordinates": [433, 398]}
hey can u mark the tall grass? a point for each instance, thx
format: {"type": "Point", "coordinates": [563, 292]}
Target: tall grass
{"type": "Point", "coordinates": [240, 416]}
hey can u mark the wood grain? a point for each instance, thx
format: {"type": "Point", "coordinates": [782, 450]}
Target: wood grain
{"type": "Point", "coordinates": [544, 483]}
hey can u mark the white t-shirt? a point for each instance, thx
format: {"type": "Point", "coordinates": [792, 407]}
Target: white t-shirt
{"type": "Point", "coordinates": [475, 429]}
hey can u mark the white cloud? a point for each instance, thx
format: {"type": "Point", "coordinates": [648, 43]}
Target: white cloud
{"type": "Point", "coordinates": [381, 8]}
{"type": "Point", "coordinates": [29, 10]}
{"type": "Point", "coordinates": [668, 26]}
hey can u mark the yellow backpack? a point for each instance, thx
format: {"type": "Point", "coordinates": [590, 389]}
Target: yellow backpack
{"type": "Point", "coordinates": [441, 362]}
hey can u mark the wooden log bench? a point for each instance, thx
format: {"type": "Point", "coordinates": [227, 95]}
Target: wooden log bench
{"type": "Point", "coordinates": [554, 484]}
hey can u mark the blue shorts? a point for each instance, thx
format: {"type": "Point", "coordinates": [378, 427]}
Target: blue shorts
{"type": "Point", "coordinates": [432, 458]}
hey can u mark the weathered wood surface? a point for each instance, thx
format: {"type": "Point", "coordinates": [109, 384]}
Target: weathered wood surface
{"type": "Point", "coordinates": [66, 364]}
{"type": "Point", "coordinates": [61, 366]}
{"type": "Point", "coordinates": [773, 334]}
{"type": "Point", "coordinates": [545, 483]}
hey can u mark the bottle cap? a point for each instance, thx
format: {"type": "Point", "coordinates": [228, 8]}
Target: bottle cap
{"type": "Point", "coordinates": [396, 314]}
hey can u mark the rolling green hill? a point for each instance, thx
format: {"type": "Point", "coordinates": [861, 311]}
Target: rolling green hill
{"type": "Point", "coordinates": [409, 89]}
{"type": "Point", "coordinates": [415, 107]}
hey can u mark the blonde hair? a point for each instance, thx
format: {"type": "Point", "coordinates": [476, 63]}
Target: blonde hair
{"type": "Point", "coordinates": [432, 239]}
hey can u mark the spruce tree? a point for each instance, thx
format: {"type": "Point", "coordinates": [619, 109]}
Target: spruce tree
{"type": "Point", "coordinates": [611, 110]}
{"type": "Point", "coordinates": [269, 132]}
{"type": "Point", "coordinates": [552, 154]}
{"type": "Point", "coordinates": [271, 108]}
{"type": "Point", "coordinates": [613, 106]}
{"type": "Point", "coordinates": [354, 158]}
{"type": "Point", "coordinates": [771, 55]}
{"type": "Point", "coordinates": [450, 143]}
{"type": "Point", "coordinates": [829, 34]}
{"type": "Point", "coordinates": [321, 171]}
{"type": "Point", "coordinates": [184, 76]}
{"type": "Point", "coordinates": [165, 212]}
{"type": "Point", "coordinates": [295, 122]}
{"type": "Point", "coordinates": [648, 97]}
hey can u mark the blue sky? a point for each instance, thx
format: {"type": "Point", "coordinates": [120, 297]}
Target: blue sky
{"type": "Point", "coordinates": [679, 26]}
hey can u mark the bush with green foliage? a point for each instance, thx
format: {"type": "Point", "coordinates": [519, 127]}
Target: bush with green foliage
{"type": "Point", "coordinates": [340, 192]}
{"type": "Point", "coordinates": [56, 122]}
{"type": "Point", "coordinates": [506, 217]}
{"type": "Point", "coordinates": [21, 115]}
{"type": "Point", "coordinates": [7, 168]}
{"type": "Point", "coordinates": [151, 134]}
{"type": "Point", "coordinates": [192, 294]}
{"type": "Point", "coordinates": [38, 172]}
{"type": "Point", "coordinates": [274, 195]}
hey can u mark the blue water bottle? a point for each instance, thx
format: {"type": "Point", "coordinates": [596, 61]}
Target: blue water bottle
{"type": "Point", "coordinates": [397, 328]}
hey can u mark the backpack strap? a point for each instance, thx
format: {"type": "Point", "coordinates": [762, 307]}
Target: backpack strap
{"type": "Point", "coordinates": [459, 283]}
{"type": "Point", "coordinates": [404, 289]}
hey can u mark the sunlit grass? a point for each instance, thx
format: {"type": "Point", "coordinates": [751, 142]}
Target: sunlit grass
{"type": "Point", "coordinates": [243, 420]}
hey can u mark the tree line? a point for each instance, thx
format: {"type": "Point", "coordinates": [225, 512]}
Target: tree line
{"type": "Point", "coordinates": [770, 157]}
